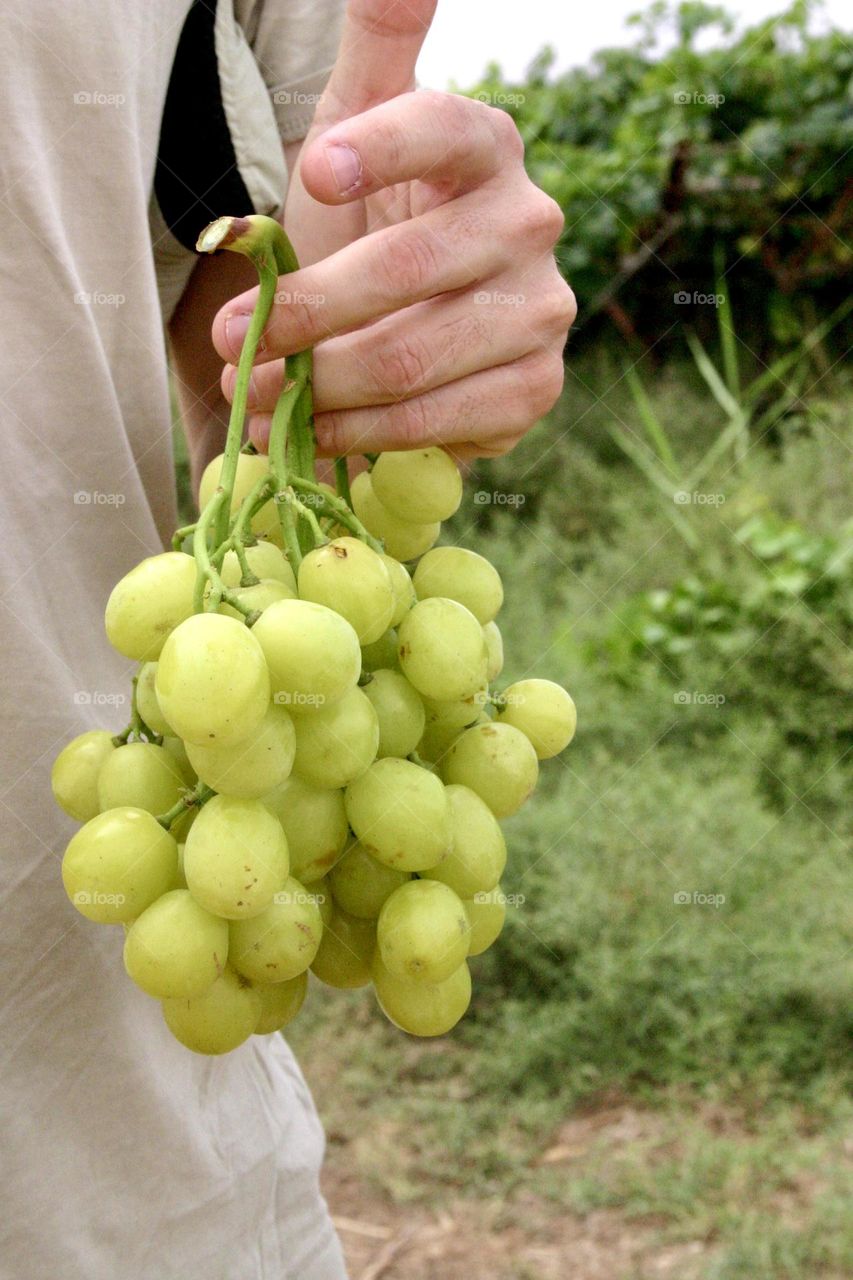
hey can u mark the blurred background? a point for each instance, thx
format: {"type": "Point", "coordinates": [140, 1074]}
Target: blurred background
{"type": "Point", "coordinates": [653, 1078]}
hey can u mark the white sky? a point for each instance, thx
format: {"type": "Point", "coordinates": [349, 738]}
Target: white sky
{"type": "Point", "coordinates": [467, 34]}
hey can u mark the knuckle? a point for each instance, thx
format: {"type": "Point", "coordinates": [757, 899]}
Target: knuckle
{"type": "Point", "coordinates": [540, 220]}
{"type": "Point", "coordinates": [560, 308]}
{"type": "Point", "coordinates": [410, 423]}
{"type": "Point", "coordinates": [294, 319]}
{"type": "Point", "coordinates": [541, 382]}
{"type": "Point", "coordinates": [506, 133]}
{"type": "Point", "coordinates": [400, 365]}
{"type": "Point", "coordinates": [407, 265]}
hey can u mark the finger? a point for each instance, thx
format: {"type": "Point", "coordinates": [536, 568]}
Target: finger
{"type": "Point", "coordinates": [495, 447]}
{"type": "Point", "coordinates": [433, 137]}
{"type": "Point", "coordinates": [492, 404]}
{"type": "Point", "coordinates": [447, 248]}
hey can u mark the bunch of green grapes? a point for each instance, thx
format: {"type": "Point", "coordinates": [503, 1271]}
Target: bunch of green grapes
{"type": "Point", "coordinates": [317, 761]}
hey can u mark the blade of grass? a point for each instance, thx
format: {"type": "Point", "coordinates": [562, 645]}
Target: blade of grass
{"type": "Point", "coordinates": [655, 429]}
{"type": "Point", "coordinates": [726, 326]}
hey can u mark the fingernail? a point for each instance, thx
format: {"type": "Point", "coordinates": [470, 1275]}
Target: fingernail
{"type": "Point", "coordinates": [236, 328]}
{"type": "Point", "coordinates": [345, 163]}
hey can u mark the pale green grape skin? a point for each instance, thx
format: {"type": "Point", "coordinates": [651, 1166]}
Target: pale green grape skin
{"type": "Point", "coordinates": [175, 948]}
{"type": "Point", "coordinates": [146, 701]}
{"type": "Point", "coordinates": [495, 650]}
{"type": "Point", "coordinates": [312, 652]}
{"type": "Point", "coordinates": [400, 713]}
{"type": "Point", "coordinates": [280, 1003]}
{"type": "Point", "coordinates": [118, 864]}
{"type": "Point", "coordinates": [454, 573]}
{"type": "Point", "coordinates": [147, 604]}
{"type": "Point", "coordinates": [383, 653]}
{"type": "Point", "coordinates": [258, 597]}
{"type": "Point", "coordinates": [543, 711]}
{"type": "Point", "coordinates": [422, 931]}
{"type": "Point", "coordinates": [250, 469]}
{"type": "Point", "coordinates": [346, 952]}
{"type": "Point", "coordinates": [486, 914]}
{"type": "Point", "coordinates": [282, 941]}
{"type": "Point", "coordinates": [250, 769]}
{"type": "Point", "coordinates": [422, 1008]}
{"type": "Point", "coordinates": [402, 586]}
{"type": "Point", "coordinates": [235, 858]}
{"type": "Point", "coordinates": [498, 762]}
{"type": "Point", "coordinates": [360, 884]}
{"type": "Point", "coordinates": [418, 485]}
{"type": "Point", "coordinates": [177, 750]}
{"type": "Point", "coordinates": [337, 744]}
{"type": "Point", "coordinates": [436, 742]}
{"type": "Point", "coordinates": [456, 715]}
{"type": "Point", "coordinates": [315, 823]}
{"type": "Point", "coordinates": [141, 775]}
{"type": "Point", "coordinates": [400, 814]}
{"type": "Point", "coordinates": [348, 576]}
{"type": "Point", "coordinates": [477, 857]}
{"type": "Point", "coordinates": [74, 776]}
{"type": "Point", "coordinates": [212, 681]}
{"type": "Point", "coordinates": [265, 560]}
{"type": "Point", "coordinates": [442, 650]}
{"type": "Point", "coordinates": [323, 896]}
{"type": "Point", "coordinates": [220, 1019]}
{"type": "Point", "coordinates": [402, 539]}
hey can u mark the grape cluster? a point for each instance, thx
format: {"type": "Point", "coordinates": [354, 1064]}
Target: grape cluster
{"type": "Point", "coordinates": [316, 763]}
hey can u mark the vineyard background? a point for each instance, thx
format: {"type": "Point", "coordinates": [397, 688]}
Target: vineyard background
{"type": "Point", "coordinates": [654, 1077]}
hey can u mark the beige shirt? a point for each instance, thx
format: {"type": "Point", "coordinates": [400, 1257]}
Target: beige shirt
{"type": "Point", "coordinates": [121, 1154]}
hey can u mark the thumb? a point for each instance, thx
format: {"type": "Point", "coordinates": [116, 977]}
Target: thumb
{"type": "Point", "coordinates": [380, 43]}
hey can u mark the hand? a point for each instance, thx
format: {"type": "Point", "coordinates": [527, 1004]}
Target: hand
{"type": "Point", "coordinates": [429, 284]}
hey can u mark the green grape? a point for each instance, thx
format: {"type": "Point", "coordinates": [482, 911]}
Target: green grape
{"type": "Point", "coordinates": [235, 858]}
{"type": "Point", "coordinates": [442, 650]}
{"type": "Point", "coordinates": [74, 776]}
{"type": "Point", "coordinates": [346, 952]}
{"type": "Point", "coordinates": [477, 858]}
{"type": "Point", "coordinates": [544, 713]}
{"type": "Point", "coordinates": [337, 744]}
{"type": "Point", "coordinates": [436, 742]}
{"type": "Point", "coordinates": [315, 823]}
{"type": "Point", "coordinates": [282, 941]}
{"type": "Point", "coordinates": [495, 649]}
{"type": "Point", "coordinates": [312, 652]}
{"type": "Point", "coordinates": [178, 752]}
{"type": "Point", "coordinates": [453, 573]}
{"type": "Point", "coordinates": [142, 776]}
{"type": "Point", "coordinates": [258, 597]}
{"type": "Point", "coordinates": [383, 653]}
{"type": "Point", "coordinates": [402, 539]}
{"type": "Point", "coordinates": [348, 576]}
{"type": "Point", "coordinates": [146, 701]}
{"type": "Point", "coordinates": [212, 681]}
{"type": "Point", "coordinates": [422, 1008]}
{"type": "Point", "coordinates": [175, 948]}
{"type": "Point", "coordinates": [148, 603]}
{"type": "Point", "coordinates": [400, 713]}
{"type": "Point", "coordinates": [496, 761]}
{"type": "Point", "coordinates": [360, 884]}
{"type": "Point", "coordinates": [218, 1020]}
{"type": "Point", "coordinates": [265, 561]}
{"type": "Point", "coordinates": [323, 897]}
{"type": "Point", "coordinates": [486, 913]}
{"type": "Point", "coordinates": [418, 485]}
{"type": "Point", "coordinates": [457, 715]}
{"type": "Point", "coordinates": [280, 1003]}
{"type": "Point", "coordinates": [248, 770]}
{"type": "Point", "coordinates": [401, 815]}
{"type": "Point", "coordinates": [403, 588]}
{"type": "Point", "coordinates": [423, 931]}
{"type": "Point", "coordinates": [117, 865]}
{"type": "Point", "coordinates": [251, 467]}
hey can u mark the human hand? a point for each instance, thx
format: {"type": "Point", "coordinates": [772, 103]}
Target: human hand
{"type": "Point", "coordinates": [437, 311]}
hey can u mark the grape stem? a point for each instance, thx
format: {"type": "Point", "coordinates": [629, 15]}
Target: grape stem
{"type": "Point", "coordinates": [137, 727]}
{"type": "Point", "coordinates": [338, 509]}
{"type": "Point", "coordinates": [194, 799]}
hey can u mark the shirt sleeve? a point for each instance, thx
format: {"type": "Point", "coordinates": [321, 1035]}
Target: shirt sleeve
{"type": "Point", "coordinates": [295, 43]}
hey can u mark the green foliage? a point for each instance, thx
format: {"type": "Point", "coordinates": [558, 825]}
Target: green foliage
{"type": "Point", "coordinates": [656, 158]}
